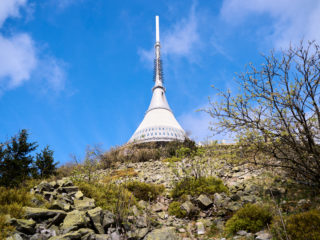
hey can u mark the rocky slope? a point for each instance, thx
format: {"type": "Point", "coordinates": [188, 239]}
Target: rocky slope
{"type": "Point", "coordinates": [71, 215]}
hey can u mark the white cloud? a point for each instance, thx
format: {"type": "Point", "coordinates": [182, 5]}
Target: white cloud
{"type": "Point", "coordinates": [10, 8]}
{"type": "Point", "coordinates": [292, 20]}
{"type": "Point", "coordinates": [17, 60]}
{"type": "Point", "coordinates": [52, 72]}
{"type": "Point", "coordinates": [183, 37]}
{"type": "Point", "coordinates": [180, 40]}
{"type": "Point", "coordinates": [20, 58]}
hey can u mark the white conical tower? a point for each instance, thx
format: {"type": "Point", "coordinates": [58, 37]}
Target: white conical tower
{"type": "Point", "coordinates": [159, 123]}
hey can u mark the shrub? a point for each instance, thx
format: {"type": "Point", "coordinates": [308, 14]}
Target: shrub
{"type": "Point", "coordinates": [4, 227]}
{"type": "Point", "coordinates": [175, 210]}
{"type": "Point", "coordinates": [13, 200]}
{"type": "Point", "coordinates": [300, 226]}
{"type": "Point", "coordinates": [172, 159]}
{"type": "Point", "coordinates": [107, 195]}
{"type": "Point", "coordinates": [145, 191]}
{"type": "Point", "coordinates": [251, 217]}
{"type": "Point", "coordinates": [196, 186]}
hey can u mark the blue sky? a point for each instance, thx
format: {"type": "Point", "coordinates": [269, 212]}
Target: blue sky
{"type": "Point", "coordinates": [79, 72]}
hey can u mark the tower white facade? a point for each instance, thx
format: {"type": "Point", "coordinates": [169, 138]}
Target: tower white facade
{"type": "Point", "coordinates": [159, 123]}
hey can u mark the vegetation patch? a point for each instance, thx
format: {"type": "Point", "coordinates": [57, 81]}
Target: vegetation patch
{"type": "Point", "coordinates": [118, 174]}
{"type": "Point", "coordinates": [145, 191]}
{"type": "Point", "coordinates": [172, 159]}
{"type": "Point", "coordinates": [175, 210]}
{"type": "Point", "coordinates": [299, 226]}
{"type": "Point", "coordinates": [251, 217]}
{"type": "Point", "coordinates": [112, 197]}
{"type": "Point", "coordinates": [196, 186]}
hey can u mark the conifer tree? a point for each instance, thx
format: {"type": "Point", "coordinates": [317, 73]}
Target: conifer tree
{"type": "Point", "coordinates": [45, 163]}
{"type": "Point", "coordinates": [15, 159]}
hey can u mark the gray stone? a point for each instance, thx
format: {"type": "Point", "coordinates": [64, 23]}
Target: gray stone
{"type": "Point", "coordinates": [56, 220]}
{"type": "Point", "coordinates": [74, 220]}
{"type": "Point", "coordinates": [84, 204]}
{"type": "Point", "coordinates": [141, 232]}
{"type": "Point", "coordinates": [143, 204]}
{"type": "Point", "coordinates": [188, 207]}
{"type": "Point", "coordinates": [165, 233]}
{"type": "Point", "coordinates": [60, 204]}
{"type": "Point", "coordinates": [200, 228]}
{"type": "Point", "coordinates": [39, 214]}
{"type": "Point", "coordinates": [15, 236]}
{"type": "Point", "coordinates": [38, 236]}
{"type": "Point", "coordinates": [95, 216]}
{"type": "Point", "coordinates": [115, 236]}
{"type": "Point", "coordinates": [158, 207]}
{"type": "Point", "coordinates": [49, 195]}
{"type": "Point", "coordinates": [70, 189]}
{"type": "Point", "coordinates": [204, 201]}
{"type": "Point", "coordinates": [101, 237]}
{"type": "Point", "coordinates": [23, 225]}
{"type": "Point", "coordinates": [44, 186]}
{"type": "Point", "coordinates": [79, 195]}
{"type": "Point", "coordinates": [108, 219]}
{"type": "Point", "coordinates": [242, 233]}
{"type": "Point", "coordinates": [142, 221]}
{"type": "Point", "coordinates": [218, 199]}
{"type": "Point", "coordinates": [65, 182]}
{"type": "Point", "coordinates": [263, 235]}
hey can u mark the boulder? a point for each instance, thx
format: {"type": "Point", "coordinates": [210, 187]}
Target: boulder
{"type": "Point", "coordinates": [74, 220]}
{"type": "Point", "coordinates": [263, 235]}
{"type": "Point", "coordinates": [49, 195]}
{"type": "Point", "coordinates": [84, 204]}
{"type": "Point", "coordinates": [69, 189]}
{"type": "Point", "coordinates": [200, 228]}
{"type": "Point", "coordinates": [60, 204]}
{"type": "Point", "coordinates": [23, 225]}
{"type": "Point", "coordinates": [165, 233]}
{"type": "Point", "coordinates": [96, 217]}
{"type": "Point", "coordinates": [44, 186]}
{"type": "Point", "coordinates": [158, 207]}
{"type": "Point", "coordinates": [218, 199]}
{"type": "Point", "coordinates": [204, 201]}
{"type": "Point", "coordinates": [64, 182]}
{"type": "Point", "coordinates": [15, 236]}
{"type": "Point", "coordinates": [108, 219]}
{"type": "Point", "coordinates": [189, 208]}
{"type": "Point", "coordinates": [141, 221]}
{"type": "Point", "coordinates": [101, 237]}
{"type": "Point", "coordinates": [83, 234]}
{"type": "Point", "coordinates": [39, 214]}
{"type": "Point", "coordinates": [115, 236]}
{"type": "Point", "coordinates": [79, 195]}
{"type": "Point", "coordinates": [56, 220]}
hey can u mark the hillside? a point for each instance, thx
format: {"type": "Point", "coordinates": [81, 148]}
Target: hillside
{"type": "Point", "coordinates": [199, 193]}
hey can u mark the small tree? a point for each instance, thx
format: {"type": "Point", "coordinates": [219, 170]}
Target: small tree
{"type": "Point", "coordinates": [15, 159]}
{"type": "Point", "coordinates": [89, 166]}
{"type": "Point", "coordinates": [277, 112]}
{"type": "Point", "coordinates": [45, 163]}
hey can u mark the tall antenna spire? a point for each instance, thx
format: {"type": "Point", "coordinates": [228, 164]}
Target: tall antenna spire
{"type": "Point", "coordinates": [157, 30]}
{"type": "Point", "coordinates": [159, 123]}
{"type": "Point", "coordinates": [158, 74]}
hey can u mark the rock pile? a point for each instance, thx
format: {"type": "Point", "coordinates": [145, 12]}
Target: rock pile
{"type": "Point", "coordinates": [70, 215]}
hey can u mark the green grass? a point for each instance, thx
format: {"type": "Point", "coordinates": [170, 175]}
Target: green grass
{"type": "Point", "coordinates": [197, 186]}
{"type": "Point", "coordinates": [145, 191]}
{"type": "Point", "coordinates": [251, 218]}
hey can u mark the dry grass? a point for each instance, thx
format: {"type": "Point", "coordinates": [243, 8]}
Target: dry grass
{"type": "Point", "coordinates": [118, 174]}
